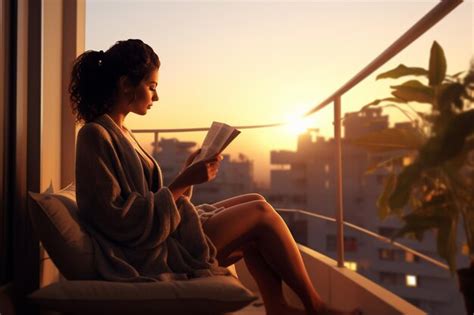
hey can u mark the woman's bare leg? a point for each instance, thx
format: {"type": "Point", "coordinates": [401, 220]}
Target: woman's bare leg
{"type": "Point", "coordinates": [237, 200]}
{"type": "Point", "coordinates": [256, 222]}
{"type": "Point", "coordinates": [268, 281]}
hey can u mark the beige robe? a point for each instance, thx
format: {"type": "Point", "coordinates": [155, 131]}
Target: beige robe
{"type": "Point", "coordinates": [139, 233]}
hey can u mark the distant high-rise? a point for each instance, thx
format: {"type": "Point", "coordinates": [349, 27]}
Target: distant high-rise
{"type": "Point", "coordinates": [305, 179]}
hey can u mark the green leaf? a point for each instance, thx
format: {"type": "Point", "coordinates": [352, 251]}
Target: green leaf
{"type": "Point", "coordinates": [438, 66]}
{"type": "Point", "coordinates": [414, 91]}
{"type": "Point", "coordinates": [429, 215]}
{"type": "Point", "coordinates": [397, 160]}
{"type": "Point", "coordinates": [450, 97]}
{"type": "Point", "coordinates": [416, 225]}
{"type": "Point", "coordinates": [382, 201]}
{"type": "Point", "coordinates": [391, 139]}
{"type": "Point", "coordinates": [446, 241]}
{"type": "Point", "coordinates": [469, 223]}
{"type": "Point", "coordinates": [469, 78]}
{"type": "Point", "coordinates": [453, 138]}
{"type": "Point", "coordinates": [405, 180]}
{"type": "Point", "coordinates": [378, 101]}
{"type": "Point", "coordinates": [401, 71]}
{"type": "Point", "coordinates": [427, 117]}
{"type": "Point", "coordinates": [455, 75]}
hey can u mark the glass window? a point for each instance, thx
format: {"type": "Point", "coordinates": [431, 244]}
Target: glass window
{"type": "Point", "coordinates": [352, 265]}
{"type": "Point", "coordinates": [387, 254]}
{"type": "Point", "coordinates": [390, 278]}
{"type": "Point", "coordinates": [411, 258]}
{"type": "Point", "coordinates": [411, 281]}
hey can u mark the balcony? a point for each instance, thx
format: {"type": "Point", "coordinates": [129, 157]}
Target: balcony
{"type": "Point", "coordinates": [38, 114]}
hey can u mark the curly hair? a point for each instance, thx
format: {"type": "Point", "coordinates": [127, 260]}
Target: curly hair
{"type": "Point", "coordinates": [93, 86]}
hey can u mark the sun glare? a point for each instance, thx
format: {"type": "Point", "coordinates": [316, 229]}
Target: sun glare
{"type": "Point", "coordinates": [298, 125]}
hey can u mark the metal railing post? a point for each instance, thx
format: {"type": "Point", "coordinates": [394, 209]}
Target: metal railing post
{"type": "Point", "coordinates": [339, 192]}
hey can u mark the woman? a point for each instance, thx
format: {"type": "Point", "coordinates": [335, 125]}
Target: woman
{"type": "Point", "coordinates": [144, 231]}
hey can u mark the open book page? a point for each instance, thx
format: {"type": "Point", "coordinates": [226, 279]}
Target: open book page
{"type": "Point", "coordinates": [217, 139]}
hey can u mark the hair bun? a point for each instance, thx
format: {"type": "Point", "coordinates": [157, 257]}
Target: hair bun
{"type": "Point", "coordinates": [101, 58]}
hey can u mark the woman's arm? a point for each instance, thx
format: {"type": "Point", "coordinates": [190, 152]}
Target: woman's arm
{"type": "Point", "coordinates": [105, 199]}
{"type": "Point", "coordinates": [177, 188]}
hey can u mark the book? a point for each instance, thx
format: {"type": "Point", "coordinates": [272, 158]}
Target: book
{"type": "Point", "coordinates": [218, 137]}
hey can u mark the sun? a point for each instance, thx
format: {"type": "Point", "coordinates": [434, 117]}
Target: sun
{"type": "Point", "coordinates": [298, 125]}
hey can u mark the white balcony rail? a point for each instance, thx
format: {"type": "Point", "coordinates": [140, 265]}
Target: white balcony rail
{"type": "Point", "coordinates": [382, 238]}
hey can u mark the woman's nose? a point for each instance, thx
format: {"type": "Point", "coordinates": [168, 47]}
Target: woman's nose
{"type": "Point", "coordinates": [155, 97]}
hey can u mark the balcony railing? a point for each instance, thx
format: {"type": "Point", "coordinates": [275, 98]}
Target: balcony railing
{"type": "Point", "coordinates": [371, 234]}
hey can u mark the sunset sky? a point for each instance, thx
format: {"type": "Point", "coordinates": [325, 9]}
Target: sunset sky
{"type": "Point", "coordinates": [258, 62]}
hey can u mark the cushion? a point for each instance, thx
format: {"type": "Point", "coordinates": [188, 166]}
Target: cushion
{"type": "Point", "coordinates": [206, 295]}
{"type": "Point", "coordinates": [55, 218]}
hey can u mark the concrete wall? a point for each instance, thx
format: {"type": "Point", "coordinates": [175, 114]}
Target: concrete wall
{"type": "Point", "coordinates": [63, 39]}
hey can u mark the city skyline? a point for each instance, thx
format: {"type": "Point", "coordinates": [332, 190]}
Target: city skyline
{"type": "Point", "coordinates": [250, 63]}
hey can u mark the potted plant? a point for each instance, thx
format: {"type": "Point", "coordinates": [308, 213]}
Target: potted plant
{"type": "Point", "coordinates": [434, 190]}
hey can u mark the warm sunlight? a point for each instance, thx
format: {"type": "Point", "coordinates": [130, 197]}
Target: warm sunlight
{"type": "Point", "coordinates": [260, 65]}
{"type": "Point", "coordinates": [297, 125]}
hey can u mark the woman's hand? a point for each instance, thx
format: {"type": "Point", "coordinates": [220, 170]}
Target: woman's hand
{"type": "Point", "coordinates": [191, 158]}
{"type": "Point", "coordinates": [201, 172]}
{"type": "Point", "coordinates": [197, 173]}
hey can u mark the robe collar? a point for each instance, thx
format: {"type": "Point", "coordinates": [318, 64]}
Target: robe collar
{"type": "Point", "coordinates": [127, 154]}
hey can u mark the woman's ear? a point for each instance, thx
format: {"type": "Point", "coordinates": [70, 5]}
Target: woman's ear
{"type": "Point", "coordinates": [124, 85]}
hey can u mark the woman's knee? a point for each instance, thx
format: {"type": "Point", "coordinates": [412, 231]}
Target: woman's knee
{"type": "Point", "coordinates": [266, 211]}
{"type": "Point", "coordinates": [256, 196]}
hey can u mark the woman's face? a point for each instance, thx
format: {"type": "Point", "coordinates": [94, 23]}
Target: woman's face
{"type": "Point", "coordinates": [145, 94]}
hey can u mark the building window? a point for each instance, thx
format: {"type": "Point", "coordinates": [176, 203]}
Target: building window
{"type": "Point", "coordinates": [411, 281]}
{"type": "Point", "coordinates": [386, 254]}
{"type": "Point", "coordinates": [411, 258]}
{"type": "Point", "coordinates": [326, 168]}
{"type": "Point", "coordinates": [350, 243]}
{"type": "Point", "coordinates": [390, 278]}
{"type": "Point", "coordinates": [352, 265]}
